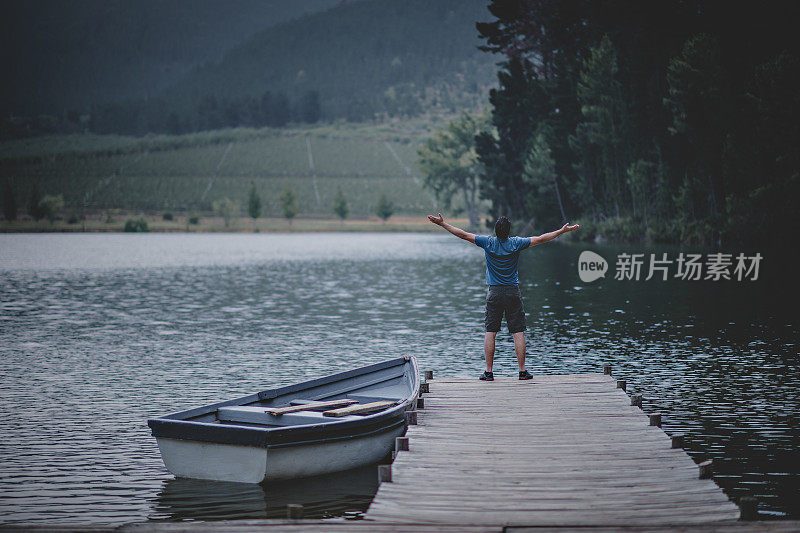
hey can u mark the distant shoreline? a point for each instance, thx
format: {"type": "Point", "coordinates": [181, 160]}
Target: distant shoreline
{"type": "Point", "coordinates": [214, 224]}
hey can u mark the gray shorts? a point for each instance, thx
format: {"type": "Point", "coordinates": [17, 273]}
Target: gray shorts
{"type": "Point", "coordinates": [504, 300]}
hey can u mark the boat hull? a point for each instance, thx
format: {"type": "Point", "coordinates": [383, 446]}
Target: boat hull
{"type": "Point", "coordinates": [250, 464]}
{"type": "Point", "coordinates": [243, 440]}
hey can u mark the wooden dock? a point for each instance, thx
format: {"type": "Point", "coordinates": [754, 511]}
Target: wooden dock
{"type": "Point", "coordinates": [558, 454]}
{"type": "Point", "coordinates": [561, 450]}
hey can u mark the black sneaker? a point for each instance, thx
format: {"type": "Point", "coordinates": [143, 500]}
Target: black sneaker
{"type": "Point", "coordinates": [525, 375]}
{"type": "Point", "coordinates": [487, 376]}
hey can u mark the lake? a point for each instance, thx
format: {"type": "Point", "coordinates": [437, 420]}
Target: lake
{"type": "Point", "coordinates": [98, 332]}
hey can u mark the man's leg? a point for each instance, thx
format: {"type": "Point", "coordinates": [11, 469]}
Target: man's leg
{"type": "Point", "coordinates": [519, 347]}
{"type": "Point", "coordinates": [488, 349]}
{"type": "Point", "coordinates": [494, 315]}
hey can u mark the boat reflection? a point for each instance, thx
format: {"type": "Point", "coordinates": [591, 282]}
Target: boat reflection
{"type": "Point", "coordinates": [341, 494]}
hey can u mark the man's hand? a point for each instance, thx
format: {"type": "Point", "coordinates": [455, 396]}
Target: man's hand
{"type": "Point", "coordinates": [460, 233]}
{"type": "Point", "coordinates": [436, 220]}
{"type": "Point", "coordinates": [546, 237]}
{"type": "Point", "coordinates": [567, 228]}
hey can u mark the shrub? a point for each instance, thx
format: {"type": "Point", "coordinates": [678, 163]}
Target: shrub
{"type": "Point", "coordinates": [620, 229]}
{"type": "Point", "coordinates": [288, 201]}
{"type": "Point", "coordinates": [50, 205]}
{"type": "Point", "coordinates": [340, 206]}
{"type": "Point", "coordinates": [662, 232]}
{"type": "Point", "coordinates": [9, 202]}
{"type": "Point", "coordinates": [136, 225]}
{"type": "Point", "coordinates": [384, 208]}
{"type": "Point", "coordinates": [586, 233]}
{"type": "Point", "coordinates": [227, 209]}
{"type": "Point", "coordinates": [253, 202]}
{"type": "Point", "coordinates": [34, 203]}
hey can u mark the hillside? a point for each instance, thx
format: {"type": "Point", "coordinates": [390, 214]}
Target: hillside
{"type": "Point", "coordinates": [62, 57]}
{"type": "Point", "coordinates": [358, 61]}
{"type": "Point", "coordinates": [360, 58]}
{"type": "Point", "coordinates": [189, 172]}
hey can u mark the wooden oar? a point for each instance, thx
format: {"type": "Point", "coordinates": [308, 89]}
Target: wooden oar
{"type": "Point", "coordinates": [360, 409]}
{"type": "Point", "coordinates": [314, 406]}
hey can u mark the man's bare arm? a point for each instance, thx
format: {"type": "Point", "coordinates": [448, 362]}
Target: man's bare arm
{"type": "Point", "coordinates": [458, 232]}
{"type": "Point", "coordinates": [553, 234]}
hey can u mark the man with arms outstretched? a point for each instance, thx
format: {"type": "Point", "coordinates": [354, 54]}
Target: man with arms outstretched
{"type": "Point", "coordinates": [504, 297]}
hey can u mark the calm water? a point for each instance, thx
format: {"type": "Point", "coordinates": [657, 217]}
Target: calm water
{"type": "Point", "coordinates": [100, 332]}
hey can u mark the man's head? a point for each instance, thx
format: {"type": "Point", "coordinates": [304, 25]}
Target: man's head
{"type": "Point", "coordinates": [502, 227]}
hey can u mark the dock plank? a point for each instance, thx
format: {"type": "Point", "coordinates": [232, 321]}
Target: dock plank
{"type": "Point", "coordinates": [565, 450]}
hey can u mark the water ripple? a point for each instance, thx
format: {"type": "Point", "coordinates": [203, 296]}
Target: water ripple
{"type": "Point", "coordinates": [100, 332]}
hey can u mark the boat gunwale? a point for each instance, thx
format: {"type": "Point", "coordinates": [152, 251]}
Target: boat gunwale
{"type": "Point", "coordinates": [176, 426]}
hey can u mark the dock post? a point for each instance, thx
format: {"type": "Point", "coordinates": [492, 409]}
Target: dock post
{"type": "Point", "coordinates": [420, 403]}
{"type": "Point", "coordinates": [411, 418]}
{"type": "Point", "coordinates": [636, 400]}
{"type": "Point", "coordinates": [677, 440]}
{"type": "Point", "coordinates": [705, 469]}
{"type": "Point", "coordinates": [748, 508]}
{"type": "Point", "coordinates": [424, 387]}
{"type": "Point", "coordinates": [622, 384]}
{"type": "Point", "coordinates": [384, 473]}
{"type": "Point", "coordinates": [607, 370]}
{"type": "Point", "coordinates": [428, 375]}
{"type": "Point", "coordinates": [294, 510]}
{"type": "Point", "coordinates": [401, 444]}
{"type": "Point", "coordinates": [655, 419]}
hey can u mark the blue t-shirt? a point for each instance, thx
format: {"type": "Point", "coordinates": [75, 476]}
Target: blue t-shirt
{"type": "Point", "coordinates": [502, 258]}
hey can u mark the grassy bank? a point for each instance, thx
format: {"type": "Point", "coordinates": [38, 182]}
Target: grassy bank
{"type": "Point", "coordinates": [189, 172]}
{"type": "Point", "coordinates": [241, 225]}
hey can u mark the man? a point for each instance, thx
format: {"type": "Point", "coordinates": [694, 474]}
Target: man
{"type": "Point", "coordinates": [504, 297]}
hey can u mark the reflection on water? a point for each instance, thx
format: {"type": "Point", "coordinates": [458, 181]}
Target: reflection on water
{"type": "Point", "coordinates": [345, 494]}
{"type": "Point", "coordinates": [100, 332]}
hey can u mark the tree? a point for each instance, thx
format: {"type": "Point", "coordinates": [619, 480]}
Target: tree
{"type": "Point", "coordinates": [450, 163]}
{"type": "Point", "coordinates": [9, 202]}
{"type": "Point", "coordinates": [136, 225]}
{"type": "Point", "coordinates": [226, 208]}
{"type": "Point", "coordinates": [50, 205]}
{"type": "Point", "coordinates": [519, 106]}
{"type": "Point", "coordinates": [604, 117]}
{"type": "Point", "coordinates": [340, 206]}
{"type": "Point", "coordinates": [539, 172]}
{"type": "Point", "coordinates": [253, 202]}
{"type": "Point", "coordinates": [384, 208]}
{"type": "Point", "coordinates": [34, 209]}
{"type": "Point", "coordinates": [697, 101]}
{"type": "Point", "coordinates": [288, 200]}
{"type": "Point", "coordinates": [637, 182]}
{"type": "Point", "coordinates": [310, 111]}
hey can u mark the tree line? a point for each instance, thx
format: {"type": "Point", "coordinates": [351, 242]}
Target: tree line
{"type": "Point", "coordinates": [39, 207]}
{"type": "Point", "coordinates": [666, 121]}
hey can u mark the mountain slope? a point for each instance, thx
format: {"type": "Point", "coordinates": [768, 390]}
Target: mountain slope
{"type": "Point", "coordinates": [362, 58]}
{"type": "Point", "coordinates": [58, 55]}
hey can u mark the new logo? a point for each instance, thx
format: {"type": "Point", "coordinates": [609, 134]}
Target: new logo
{"type": "Point", "coordinates": [591, 266]}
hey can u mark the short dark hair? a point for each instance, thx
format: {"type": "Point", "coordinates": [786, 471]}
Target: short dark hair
{"type": "Point", "coordinates": [502, 227]}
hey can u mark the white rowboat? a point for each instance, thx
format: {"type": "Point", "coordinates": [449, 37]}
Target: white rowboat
{"type": "Point", "coordinates": [329, 424]}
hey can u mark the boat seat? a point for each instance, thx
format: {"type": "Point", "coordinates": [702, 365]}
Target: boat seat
{"type": "Point", "coordinates": [370, 399]}
{"type": "Point", "coordinates": [258, 415]}
{"type": "Point", "coordinates": [357, 397]}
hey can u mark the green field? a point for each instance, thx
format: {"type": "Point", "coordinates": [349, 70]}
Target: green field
{"type": "Point", "coordinates": [188, 172]}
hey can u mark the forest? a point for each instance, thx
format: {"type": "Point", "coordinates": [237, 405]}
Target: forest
{"type": "Point", "coordinates": [358, 61]}
{"type": "Point", "coordinates": [667, 121]}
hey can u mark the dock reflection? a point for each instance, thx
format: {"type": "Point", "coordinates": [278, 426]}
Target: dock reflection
{"type": "Point", "coordinates": [341, 494]}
